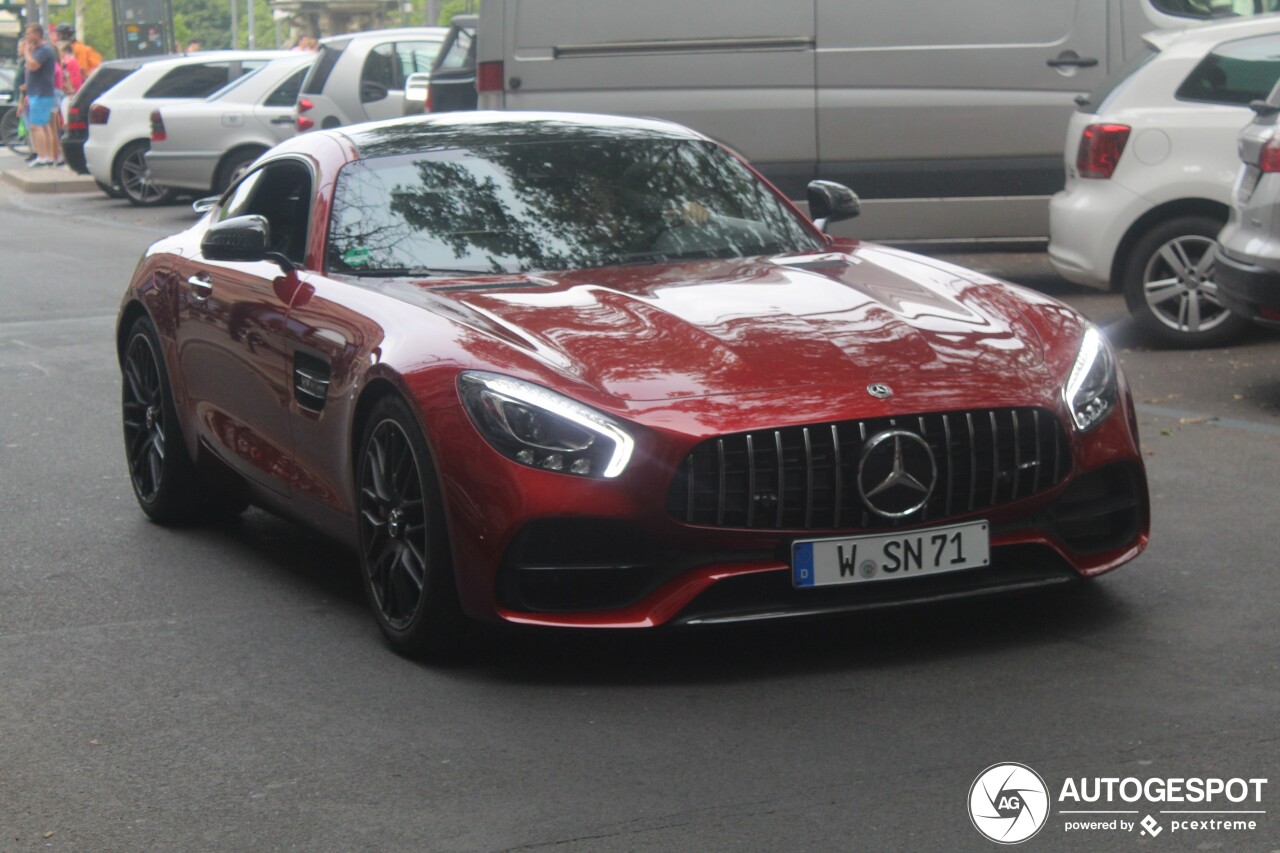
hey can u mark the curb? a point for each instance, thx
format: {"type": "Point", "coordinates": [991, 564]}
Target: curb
{"type": "Point", "coordinates": [53, 180]}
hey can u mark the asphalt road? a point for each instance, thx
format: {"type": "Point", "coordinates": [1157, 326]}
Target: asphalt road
{"type": "Point", "coordinates": [226, 689]}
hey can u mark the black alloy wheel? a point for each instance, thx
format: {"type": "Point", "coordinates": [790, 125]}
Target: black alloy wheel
{"type": "Point", "coordinates": [133, 176]}
{"type": "Point", "coordinates": [404, 548]}
{"type": "Point", "coordinates": [163, 477]}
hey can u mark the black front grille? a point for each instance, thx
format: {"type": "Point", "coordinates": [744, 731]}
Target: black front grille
{"type": "Point", "coordinates": [805, 478]}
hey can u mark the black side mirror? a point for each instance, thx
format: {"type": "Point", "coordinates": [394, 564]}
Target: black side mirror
{"type": "Point", "coordinates": [831, 202]}
{"type": "Point", "coordinates": [243, 239]}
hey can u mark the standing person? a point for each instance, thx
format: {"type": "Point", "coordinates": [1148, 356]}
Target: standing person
{"type": "Point", "coordinates": [40, 63]}
{"type": "Point", "coordinates": [86, 57]}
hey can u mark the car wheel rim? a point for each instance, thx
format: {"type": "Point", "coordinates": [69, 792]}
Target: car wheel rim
{"type": "Point", "coordinates": [144, 420]}
{"type": "Point", "coordinates": [393, 528]}
{"type": "Point", "coordinates": [135, 178]}
{"type": "Point", "coordinates": [1179, 285]}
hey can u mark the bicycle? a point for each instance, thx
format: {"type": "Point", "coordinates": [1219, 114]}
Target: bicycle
{"type": "Point", "coordinates": [14, 133]}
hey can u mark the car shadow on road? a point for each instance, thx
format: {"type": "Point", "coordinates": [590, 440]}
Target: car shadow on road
{"type": "Point", "coordinates": [318, 568]}
{"type": "Point", "coordinates": [896, 637]}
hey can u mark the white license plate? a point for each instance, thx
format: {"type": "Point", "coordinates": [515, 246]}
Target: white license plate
{"type": "Point", "coordinates": [888, 556]}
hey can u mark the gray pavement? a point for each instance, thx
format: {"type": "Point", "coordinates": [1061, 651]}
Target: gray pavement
{"type": "Point", "coordinates": [225, 688]}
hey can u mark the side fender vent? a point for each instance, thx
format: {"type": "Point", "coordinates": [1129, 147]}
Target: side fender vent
{"type": "Point", "coordinates": [310, 381]}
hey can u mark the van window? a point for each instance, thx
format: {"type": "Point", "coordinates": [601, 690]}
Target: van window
{"type": "Point", "coordinates": [1235, 73]}
{"type": "Point", "coordinates": [379, 74]}
{"type": "Point", "coordinates": [1216, 8]}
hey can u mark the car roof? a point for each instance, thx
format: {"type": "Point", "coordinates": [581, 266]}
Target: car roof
{"type": "Point", "coordinates": [461, 129]}
{"type": "Point", "coordinates": [1202, 38]}
{"type": "Point", "coordinates": [378, 34]}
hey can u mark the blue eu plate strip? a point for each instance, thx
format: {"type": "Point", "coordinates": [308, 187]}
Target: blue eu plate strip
{"type": "Point", "coordinates": [802, 563]}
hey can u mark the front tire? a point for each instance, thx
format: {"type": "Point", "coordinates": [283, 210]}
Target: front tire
{"type": "Point", "coordinates": [133, 177]}
{"type": "Point", "coordinates": [404, 544]}
{"type": "Point", "coordinates": [163, 475]}
{"type": "Point", "coordinates": [110, 190]}
{"type": "Point", "coordinates": [1169, 285]}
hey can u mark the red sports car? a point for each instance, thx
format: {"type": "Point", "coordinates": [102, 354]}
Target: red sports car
{"type": "Point", "coordinates": [589, 371]}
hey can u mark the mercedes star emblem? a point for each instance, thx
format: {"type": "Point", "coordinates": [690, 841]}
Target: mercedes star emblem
{"type": "Point", "coordinates": [897, 473]}
{"type": "Point", "coordinates": [879, 390]}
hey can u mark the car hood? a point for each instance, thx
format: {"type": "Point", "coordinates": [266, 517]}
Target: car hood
{"type": "Point", "coordinates": [663, 332]}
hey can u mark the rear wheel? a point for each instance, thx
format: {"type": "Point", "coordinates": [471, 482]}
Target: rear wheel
{"type": "Point", "coordinates": [1170, 289]}
{"type": "Point", "coordinates": [133, 176]}
{"type": "Point", "coordinates": [404, 545]}
{"type": "Point", "coordinates": [234, 166]}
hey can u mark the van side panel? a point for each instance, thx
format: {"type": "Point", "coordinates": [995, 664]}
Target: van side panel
{"type": "Point", "coordinates": [961, 104]}
{"type": "Point", "coordinates": [746, 79]}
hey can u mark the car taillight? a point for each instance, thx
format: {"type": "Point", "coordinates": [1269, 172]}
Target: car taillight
{"type": "Point", "coordinates": [304, 123]}
{"type": "Point", "coordinates": [157, 127]}
{"type": "Point", "coordinates": [1269, 157]}
{"type": "Point", "coordinates": [98, 114]}
{"type": "Point", "coordinates": [75, 121]}
{"type": "Point", "coordinates": [1100, 148]}
{"type": "Point", "coordinates": [489, 77]}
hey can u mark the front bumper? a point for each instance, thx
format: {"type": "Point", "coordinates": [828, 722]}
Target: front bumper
{"type": "Point", "coordinates": [1249, 290]}
{"type": "Point", "coordinates": [538, 548]}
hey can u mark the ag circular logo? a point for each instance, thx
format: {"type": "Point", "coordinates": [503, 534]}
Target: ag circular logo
{"type": "Point", "coordinates": [896, 474]}
{"type": "Point", "coordinates": [1008, 803]}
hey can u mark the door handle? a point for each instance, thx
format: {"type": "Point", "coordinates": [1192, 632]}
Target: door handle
{"type": "Point", "coordinates": [1072, 62]}
{"type": "Point", "coordinates": [283, 120]}
{"type": "Point", "coordinates": [201, 287]}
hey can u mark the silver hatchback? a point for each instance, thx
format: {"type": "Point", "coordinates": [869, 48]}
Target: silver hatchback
{"type": "Point", "coordinates": [1248, 261]}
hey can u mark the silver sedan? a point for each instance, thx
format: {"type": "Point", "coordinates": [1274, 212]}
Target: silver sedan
{"type": "Point", "coordinates": [205, 145]}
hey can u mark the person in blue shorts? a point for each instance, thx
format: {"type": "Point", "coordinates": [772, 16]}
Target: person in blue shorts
{"type": "Point", "coordinates": [39, 59]}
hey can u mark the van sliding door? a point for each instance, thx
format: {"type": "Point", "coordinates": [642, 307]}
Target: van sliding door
{"type": "Point", "coordinates": [741, 74]}
{"type": "Point", "coordinates": [949, 119]}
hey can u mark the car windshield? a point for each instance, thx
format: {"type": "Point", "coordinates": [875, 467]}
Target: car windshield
{"type": "Point", "coordinates": [518, 206]}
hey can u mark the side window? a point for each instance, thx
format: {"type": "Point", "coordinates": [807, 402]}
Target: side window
{"type": "Point", "coordinates": [280, 192]}
{"type": "Point", "coordinates": [1235, 73]}
{"type": "Point", "coordinates": [198, 80]}
{"type": "Point", "coordinates": [379, 75]}
{"type": "Point", "coordinates": [287, 92]}
{"type": "Point", "coordinates": [455, 55]}
{"type": "Point", "coordinates": [416, 56]}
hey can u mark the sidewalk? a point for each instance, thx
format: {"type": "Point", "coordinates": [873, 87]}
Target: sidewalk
{"type": "Point", "coordinates": [50, 179]}
{"type": "Point", "coordinates": [56, 179]}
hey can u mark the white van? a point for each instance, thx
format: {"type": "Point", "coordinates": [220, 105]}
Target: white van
{"type": "Point", "coordinates": [946, 118]}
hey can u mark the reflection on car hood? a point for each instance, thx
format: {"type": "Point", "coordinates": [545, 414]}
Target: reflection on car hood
{"type": "Point", "coordinates": [723, 327]}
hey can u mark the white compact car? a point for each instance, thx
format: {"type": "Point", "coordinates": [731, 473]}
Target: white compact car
{"type": "Point", "coordinates": [1151, 160]}
{"type": "Point", "coordinates": [121, 119]}
{"type": "Point", "coordinates": [205, 145]}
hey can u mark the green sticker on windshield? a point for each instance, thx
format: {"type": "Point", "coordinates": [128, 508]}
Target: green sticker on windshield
{"type": "Point", "coordinates": [356, 256]}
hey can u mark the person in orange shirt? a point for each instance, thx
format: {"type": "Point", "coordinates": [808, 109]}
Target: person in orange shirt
{"type": "Point", "coordinates": [86, 57]}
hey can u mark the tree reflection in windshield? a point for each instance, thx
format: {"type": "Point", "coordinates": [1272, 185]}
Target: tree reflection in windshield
{"type": "Point", "coordinates": [508, 206]}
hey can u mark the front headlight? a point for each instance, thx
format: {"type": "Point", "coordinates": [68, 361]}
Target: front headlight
{"type": "Point", "coordinates": [542, 429]}
{"type": "Point", "coordinates": [1090, 391]}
